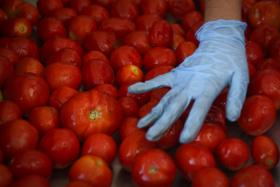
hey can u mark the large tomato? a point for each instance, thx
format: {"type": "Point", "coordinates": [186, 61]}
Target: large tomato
{"type": "Point", "coordinates": [9, 111]}
{"type": "Point", "coordinates": [180, 7]}
{"type": "Point", "coordinates": [61, 95]}
{"type": "Point", "coordinates": [160, 34]}
{"type": "Point", "coordinates": [96, 12]}
{"type": "Point", "coordinates": [64, 14]}
{"type": "Point", "coordinates": [124, 9]}
{"type": "Point", "coordinates": [29, 65]}
{"type": "Point", "coordinates": [139, 40]}
{"type": "Point", "coordinates": [146, 21]}
{"type": "Point", "coordinates": [67, 56]}
{"type": "Point", "coordinates": [129, 105]}
{"type": "Point", "coordinates": [91, 112]}
{"type": "Point", "coordinates": [128, 126]}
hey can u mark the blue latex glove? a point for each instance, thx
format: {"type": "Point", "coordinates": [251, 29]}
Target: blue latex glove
{"type": "Point", "coordinates": [219, 61]}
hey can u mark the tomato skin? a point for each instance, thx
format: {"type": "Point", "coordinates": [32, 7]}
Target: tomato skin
{"type": "Point", "coordinates": [31, 162]}
{"type": "Point", "coordinates": [6, 70]}
{"type": "Point", "coordinates": [265, 151]}
{"type": "Point", "coordinates": [60, 96]}
{"type": "Point", "coordinates": [28, 11]}
{"type": "Point", "coordinates": [94, 55]}
{"type": "Point", "coordinates": [77, 183]}
{"type": "Point", "coordinates": [64, 14]}
{"type": "Point", "coordinates": [192, 157]}
{"type": "Point", "coordinates": [192, 20]}
{"type": "Point", "coordinates": [180, 7]}
{"type": "Point", "coordinates": [269, 63]}
{"type": "Point", "coordinates": [261, 177]}
{"type": "Point", "coordinates": [67, 56]}
{"type": "Point", "coordinates": [17, 27]}
{"type": "Point", "coordinates": [146, 21]}
{"type": "Point", "coordinates": [211, 177]}
{"type": "Point", "coordinates": [105, 3]}
{"type": "Point", "coordinates": [157, 7]}
{"type": "Point", "coordinates": [31, 180]}
{"type": "Point", "coordinates": [101, 145]}
{"type": "Point", "coordinates": [129, 74]}
{"type": "Point", "coordinates": [139, 40]}
{"type": "Point", "coordinates": [96, 12]}
{"type": "Point", "coordinates": [46, 6]}
{"type": "Point", "coordinates": [29, 65]}
{"type": "Point", "coordinates": [154, 168]}
{"type": "Point", "coordinates": [91, 112]}
{"type": "Point", "coordinates": [108, 89]}
{"type": "Point", "coordinates": [17, 136]}
{"type": "Point", "coordinates": [184, 50]}
{"type": "Point", "coordinates": [6, 176]}
{"type": "Point", "coordinates": [124, 9]}
{"type": "Point", "coordinates": [91, 169]}
{"type": "Point", "coordinates": [128, 126]}
{"type": "Point", "coordinates": [157, 71]}
{"type": "Point", "coordinates": [254, 53]}
{"type": "Point", "coordinates": [129, 105]}
{"type": "Point", "coordinates": [10, 54]}
{"type": "Point", "coordinates": [61, 145]}
{"type": "Point", "coordinates": [79, 5]}
{"type": "Point", "coordinates": [147, 107]}
{"type": "Point", "coordinates": [160, 34]}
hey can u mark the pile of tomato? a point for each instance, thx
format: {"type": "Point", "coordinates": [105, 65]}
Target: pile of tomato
{"type": "Point", "coordinates": [65, 66]}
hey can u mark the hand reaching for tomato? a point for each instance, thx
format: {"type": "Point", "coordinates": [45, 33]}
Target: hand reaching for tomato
{"type": "Point", "coordinates": [219, 61]}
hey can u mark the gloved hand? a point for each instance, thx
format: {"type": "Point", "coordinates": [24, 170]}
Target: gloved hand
{"type": "Point", "coordinates": [219, 61]}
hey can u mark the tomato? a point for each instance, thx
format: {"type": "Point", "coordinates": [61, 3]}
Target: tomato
{"type": "Point", "coordinates": [29, 11]}
{"type": "Point", "coordinates": [61, 95]}
{"type": "Point", "coordinates": [128, 126]}
{"type": "Point", "coordinates": [17, 27]}
{"type": "Point", "coordinates": [158, 93]}
{"type": "Point", "coordinates": [10, 54]}
{"type": "Point", "coordinates": [132, 146]}
{"type": "Point", "coordinates": [147, 107]}
{"type": "Point", "coordinates": [6, 70]}
{"type": "Point", "coordinates": [129, 74]}
{"type": "Point", "coordinates": [211, 177]}
{"type": "Point", "coordinates": [67, 56]}
{"type": "Point", "coordinates": [31, 162]}
{"type": "Point", "coordinates": [11, 7]}
{"type": "Point", "coordinates": [64, 14]}
{"type": "Point", "coordinates": [1, 156]}
{"type": "Point", "coordinates": [246, 6]}
{"type": "Point", "coordinates": [17, 136]}
{"type": "Point", "coordinates": [177, 39]}
{"type": "Point", "coordinates": [91, 169]}
{"type": "Point", "coordinates": [154, 168]}
{"type": "Point", "coordinates": [105, 3]}
{"type": "Point", "coordinates": [91, 112]}
{"type": "Point", "coordinates": [129, 105]}
{"type": "Point", "coordinates": [94, 55]}
{"type": "Point", "coordinates": [160, 34]}
{"type": "Point", "coordinates": [192, 20]}
{"type": "Point", "coordinates": [107, 89]}
{"type": "Point", "coordinates": [9, 111]}
{"type": "Point", "coordinates": [252, 176]}
{"type": "Point", "coordinates": [119, 26]}
{"type": "Point", "coordinates": [258, 115]}
{"type": "Point", "coordinates": [146, 21]}
{"type": "Point", "coordinates": [180, 7]}
{"type": "Point", "coordinates": [60, 74]}
{"type": "Point", "coordinates": [216, 115]}
{"type": "Point", "coordinates": [184, 50]}
{"type": "Point", "coordinates": [171, 137]}
{"type": "Point", "coordinates": [46, 6]}
{"type": "Point", "coordinates": [124, 9]}
{"type": "Point", "coordinates": [157, 71]}
{"type": "Point", "coordinates": [31, 180]}
{"type": "Point", "coordinates": [265, 151]}
{"type": "Point", "coordinates": [139, 40]}
{"type": "Point", "coordinates": [78, 183]}
{"type": "Point", "coordinates": [101, 145]}
{"type": "Point", "coordinates": [96, 72]}
{"type": "Point", "coordinates": [29, 65]}
{"type": "Point", "coordinates": [125, 55]}
{"type": "Point", "coordinates": [210, 135]}
{"type": "Point", "coordinates": [191, 157]}
{"type": "Point", "coordinates": [61, 145]}
{"type": "Point", "coordinates": [43, 118]}
{"type": "Point", "coordinates": [5, 176]}
{"type": "Point", "coordinates": [254, 53]}
{"type": "Point", "coordinates": [79, 5]}
{"type": "Point", "coordinates": [102, 41]}
{"type": "Point", "coordinates": [3, 16]}
{"type": "Point", "coordinates": [96, 12]}
{"type": "Point", "coordinates": [269, 63]}
{"type": "Point", "coordinates": [158, 7]}
{"type": "Point", "coordinates": [190, 36]}
{"type": "Point", "coordinates": [159, 56]}
{"type": "Point", "coordinates": [266, 82]}
{"type": "Point", "coordinates": [274, 49]}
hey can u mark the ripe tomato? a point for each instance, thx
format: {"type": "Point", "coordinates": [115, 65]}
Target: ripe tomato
{"type": "Point", "coordinates": [191, 157]}
{"type": "Point", "coordinates": [101, 145]}
{"type": "Point", "coordinates": [216, 115]}
{"type": "Point", "coordinates": [6, 70]}
{"type": "Point", "coordinates": [78, 183]}
{"type": "Point", "coordinates": [146, 21]}
{"type": "Point", "coordinates": [43, 118]}
{"type": "Point", "coordinates": [192, 20]}
{"type": "Point", "coordinates": [154, 168]}
{"type": "Point", "coordinates": [91, 112]}
{"type": "Point", "coordinates": [61, 145]}
{"type": "Point", "coordinates": [3, 16]}
{"type": "Point", "coordinates": [160, 34]}
{"type": "Point", "coordinates": [124, 9]}
{"type": "Point", "coordinates": [177, 39]}
{"type": "Point", "coordinates": [211, 177]}
{"type": "Point", "coordinates": [147, 107]}
{"type": "Point", "coordinates": [94, 55]}
{"type": "Point", "coordinates": [5, 176]}
{"type": "Point", "coordinates": [91, 169]}
{"type": "Point", "coordinates": [132, 146]}
{"type": "Point", "coordinates": [31, 162]}
{"type": "Point", "coordinates": [252, 176]}
{"type": "Point", "coordinates": [29, 11]}
{"type": "Point", "coordinates": [17, 27]}
{"type": "Point", "coordinates": [159, 56]}
{"type": "Point", "coordinates": [184, 49]}
{"type": "Point", "coordinates": [1, 156]}
{"type": "Point", "coordinates": [79, 5]}
{"type": "Point", "coordinates": [60, 96]}
{"type": "Point", "coordinates": [129, 105]}
{"type": "Point", "coordinates": [139, 40]}
{"type": "Point", "coordinates": [265, 151]}
{"type": "Point", "coordinates": [29, 65]}
{"type": "Point", "coordinates": [157, 71]}
{"type": "Point", "coordinates": [64, 14]}
{"type": "Point", "coordinates": [254, 53]}
{"type": "Point", "coordinates": [67, 56]}
{"type": "Point", "coordinates": [269, 63]}
{"type": "Point", "coordinates": [158, 7]}
{"type": "Point", "coordinates": [158, 93]}
{"type": "Point", "coordinates": [31, 180]}
{"type": "Point", "coordinates": [128, 126]}
{"type": "Point", "coordinates": [108, 89]}
{"type": "Point", "coordinates": [10, 54]}
{"type": "Point", "coordinates": [17, 136]}
{"type": "Point", "coordinates": [125, 55]}
{"type": "Point", "coordinates": [180, 7]}
{"type": "Point", "coordinates": [258, 115]}
{"type": "Point", "coordinates": [105, 3]}
{"type": "Point", "coordinates": [96, 12]}
{"type": "Point", "coordinates": [129, 74]}
{"type": "Point", "coordinates": [46, 6]}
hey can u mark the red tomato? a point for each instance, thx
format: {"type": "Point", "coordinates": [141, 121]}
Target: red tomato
{"type": "Point", "coordinates": [267, 12]}
{"type": "Point", "coordinates": [6, 70]}
{"type": "Point", "coordinates": [29, 65]}
{"type": "Point", "coordinates": [177, 39]}
{"type": "Point", "coordinates": [101, 145]}
{"type": "Point", "coordinates": [5, 176]}
{"type": "Point", "coordinates": [124, 9]}
{"type": "Point", "coordinates": [9, 111]}
{"type": "Point", "coordinates": [61, 95]}
{"type": "Point", "coordinates": [17, 27]}
{"type": "Point", "coordinates": [180, 7]}
{"type": "Point", "coordinates": [119, 26]}
{"type": "Point", "coordinates": [107, 89]}
{"type": "Point", "coordinates": [129, 105]}
{"type": "Point", "coordinates": [91, 169]}
{"type": "Point", "coordinates": [43, 118]}
{"type": "Point", "coordinates": [129, 74]}
{"type": "Point", "coordinates": [146, 21]}
{"type": "Point", "coordinates": [265, 151]}
{"type": "Point", "coordinates": [10, 54]}
{"type": "Point", "coordinates": [210, 135]}
{"type": "Point", "coordinates": [102, 41]}
{"type": "Point", "coordinates": [125, 55]}
{"type": "Point", "coordinates": [94, 55]}
{"type": "Point", "coordinates": [252, 176]}
{"type": "Point", "coordinates": [191, 157]}
{"type": "Point", "coordinates": [158, 93]}
{"type": "Point", "coordinates": [258, 115]}
{"type": "Point", "coordinates": [138, 40]}
{"type": "Point", "coordinates": [211, 177]}
{"type": "Point", "coordinates": [158, 7]}
{"type": "Point", "coordinates": [157, 71]}
{"type": "Point", "coordinates": [3, 16]}
{"type": "Point", "coordinates": [29, 11]}
{"type": "Point", "coordinates": [105, 3]}
{"type": "Point", "coordinates": [91, 112]}
{"type": "Point", "coordinates": [233, 153]}
{"type": "Point", "coordinates": [64, 14]}
{"type": "Point", "coordinates": [160, 34]}
{"type": "Point", "coordinates": [216, 115]}
{"type": "Point", "coordinates": [274, 49]}
{"type": "Point", "coordinates": [147, 107]}
{"type": "Point", "coordinates": [79, 5]}
{"type": "Point", "coordinates": [192, 20]}
{"type": "Point", "coordinates": [154, 168]}
{"type": "Point", "coordinates": [31, 162]}
{"type": "Point", "coordinates": [67, 56]}
{"type": "Point", "coordinates": [96, 12]}
{"type": "Point", "coordinates": [78, 183]}
{"type": "Point", "coordinates": [159, 56]}
{"type": "Point", "coordinates": [60, 74]}
{"type": "Point", "coordinates": [184, 50]}
{"type": "Point", "coordinates": [190, 36]}
{"type": "Point", "coordinates": [31, 180]}
{"type": "Point", "coordinates": [61, 145]}
{"type": "Point", "coordinates": [50, 27]}
{"type": "Point", "coordinates": [254, 53]}
{"type": "Point", "coordinates": [269, 63]}
{"type": "Point", "coordinates": [1, 156]}
{"type": "Point", "coordinates": [132, 146]}
{"type": "Point", "coordinates": [17, 136]}
{"type": "Point", "coordinates": [128, 126]}
{"type": "Point", "coordinates": [46, 6]}
{"type": "Point", "coordinates": [27, 91]}
{"type": "Point", "coordinates": [10, 7]}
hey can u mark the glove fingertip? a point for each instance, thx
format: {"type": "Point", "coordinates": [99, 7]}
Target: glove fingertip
{"type": "Point", "coordinates": [135, 88]}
